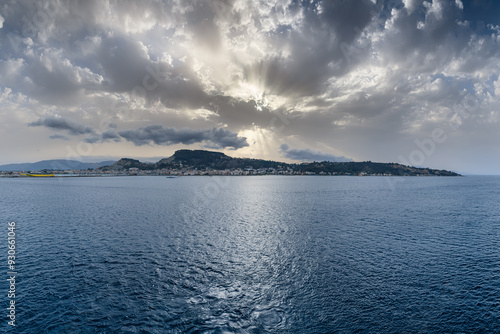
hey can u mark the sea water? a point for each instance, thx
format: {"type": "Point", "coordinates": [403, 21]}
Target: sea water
{"type": "Point", "coordinates": [253, 254]}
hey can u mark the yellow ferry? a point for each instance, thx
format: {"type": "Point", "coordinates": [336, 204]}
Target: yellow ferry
{"type": "Point", "coordinates": [38, 175]}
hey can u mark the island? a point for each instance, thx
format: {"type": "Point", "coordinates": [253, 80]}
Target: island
{"type": "Point", "coordinates": [202, 162]}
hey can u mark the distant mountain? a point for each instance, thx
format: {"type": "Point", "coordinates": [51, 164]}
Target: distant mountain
{"type": "Point", "coordinates": [202, 159]}
{"type": "Point", "coordinates": [53, 165]}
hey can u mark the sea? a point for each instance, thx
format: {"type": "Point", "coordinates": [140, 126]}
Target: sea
{"type": "Point", "coordinates": [251, 254]}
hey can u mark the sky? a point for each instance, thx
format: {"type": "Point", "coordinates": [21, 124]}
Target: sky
{"type": "Point", "coordinates": [413, 82]}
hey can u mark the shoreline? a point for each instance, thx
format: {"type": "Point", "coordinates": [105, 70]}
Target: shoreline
{"type": "Point", "coordinates": [176, 176]}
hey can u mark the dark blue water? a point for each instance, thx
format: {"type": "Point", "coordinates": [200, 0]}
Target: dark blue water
{"type": "Point", "coordinates": [254, 254]}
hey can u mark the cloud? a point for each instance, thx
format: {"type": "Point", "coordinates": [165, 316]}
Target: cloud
{"type": "Point", "coordinates": [309, 155]}
{"type": "Point", "coordinates": [109, 134]}
{"type": "Point", "coordinates": [60, 123]}
{"type": "Point", "coordinates": [160, 135]}
{"type": "Point", "coordinates": [367, 77]}
{"type": "Point", "coordinates": [57, 136]}
{"type": "Point", "coordinates": [317, 46]}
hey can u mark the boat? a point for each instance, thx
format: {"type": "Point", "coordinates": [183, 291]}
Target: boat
{"type": "Point", "coordinates": [38, 175]}
{"type": "Point", "coordinates": [171, 177]}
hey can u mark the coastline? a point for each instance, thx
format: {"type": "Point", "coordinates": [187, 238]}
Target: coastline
{"type": "Point", "coordinates": [210, 175]}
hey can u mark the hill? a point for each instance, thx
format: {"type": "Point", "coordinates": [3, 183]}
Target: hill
{"type": "Point", "coordinates": [214, 160]}
{"type": "Point", "coordinates": [126, 163]}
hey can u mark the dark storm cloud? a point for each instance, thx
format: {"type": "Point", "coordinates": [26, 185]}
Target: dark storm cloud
{"type": "Point", "coordinates": [109, 134]}
{"type": "Point", "coordinates": [57, 136]}
{"type": "Point", "coordinates": [160, 135]}
{"type": "Point", "coordinates": [92, 139]}
{"type": "Point", "coordinates": [309, 155]}
{"type": "Point", "coordinates": [60, 123]}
